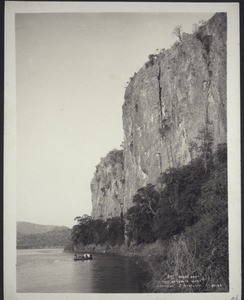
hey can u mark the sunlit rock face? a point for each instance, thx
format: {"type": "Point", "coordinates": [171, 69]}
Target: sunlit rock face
{"type": "Point", "coordinates": [179, 93]}
{"type": "Point", "coordinates": [174, 96]}
{"type": "Point", "coordinates": [107, 186]}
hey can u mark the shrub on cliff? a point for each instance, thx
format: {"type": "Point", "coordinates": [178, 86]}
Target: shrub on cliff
{"type": "Point", "coordinates": [115, 156]}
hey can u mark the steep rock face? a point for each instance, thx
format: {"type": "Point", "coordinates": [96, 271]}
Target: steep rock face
{"type": "Point", "coordinates": [178, 93]}
{"type": "Point", "coordinates": [107, 186]}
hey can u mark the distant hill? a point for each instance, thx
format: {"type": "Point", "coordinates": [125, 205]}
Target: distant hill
{"type": "Point", "coordinates": [60, 236]}
{"type": "Point", "coordinates": [31, 228]}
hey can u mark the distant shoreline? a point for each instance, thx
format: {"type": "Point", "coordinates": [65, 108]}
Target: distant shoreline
{"type": "Point", "coordinates": [35, 248]}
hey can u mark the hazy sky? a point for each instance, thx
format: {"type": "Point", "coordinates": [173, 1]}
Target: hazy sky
{"type": "Point", "coordinates": [71, 74]}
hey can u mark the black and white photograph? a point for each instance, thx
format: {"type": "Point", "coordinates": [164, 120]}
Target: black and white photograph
{"type": "Point", "coordinates": [122, 153]}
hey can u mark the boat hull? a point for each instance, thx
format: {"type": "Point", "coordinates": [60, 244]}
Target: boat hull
{"type": "Point", "coordinates": [82, 258]}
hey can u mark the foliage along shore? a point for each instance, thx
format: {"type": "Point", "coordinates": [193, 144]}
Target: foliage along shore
{"type": "Point", "coordinates": [179, 227]}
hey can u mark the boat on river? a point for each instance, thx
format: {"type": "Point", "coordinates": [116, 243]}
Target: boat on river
{"type": "Point", "coordinates": [85, 256]}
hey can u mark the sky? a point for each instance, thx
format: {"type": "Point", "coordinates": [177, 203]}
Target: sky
{"type": "Point", "coordinates": [71, 73]}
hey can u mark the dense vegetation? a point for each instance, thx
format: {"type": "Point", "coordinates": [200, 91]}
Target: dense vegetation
{"type": "Point", "coordinates": [187, 212]}
{"type": "Point", "coordinates": [91, 231]}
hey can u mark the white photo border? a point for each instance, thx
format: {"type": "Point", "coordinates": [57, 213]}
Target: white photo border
{"type": "Point", "coordinates": [233, 139]}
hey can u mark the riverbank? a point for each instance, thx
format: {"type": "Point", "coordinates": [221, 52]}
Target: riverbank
{"type": "Point", "coordinates": [146, 256]}
{"type": "Point", "coordinates": [172, 266]}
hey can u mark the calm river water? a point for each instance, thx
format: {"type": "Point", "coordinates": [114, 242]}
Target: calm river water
{"type": "Point", "coordinates": [54, 271]}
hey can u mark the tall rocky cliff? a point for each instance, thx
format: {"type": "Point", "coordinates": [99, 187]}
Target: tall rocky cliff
{"type": "Point", "coordinates": [107, 186]}
{"type": "Point", "coordinates": [178, 94]}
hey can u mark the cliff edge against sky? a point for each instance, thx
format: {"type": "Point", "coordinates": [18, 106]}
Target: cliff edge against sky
{"type": "Point", "coordinates": [174, 99]}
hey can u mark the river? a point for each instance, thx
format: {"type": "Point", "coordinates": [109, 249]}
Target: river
{"type": "Point", "coordinates": [55, 271]}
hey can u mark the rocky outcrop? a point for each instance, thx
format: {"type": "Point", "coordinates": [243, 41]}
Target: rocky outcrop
{"type": "Point", "coordinates": [178, 96]}
{"type": "Point", "coordinates": [107, 186]}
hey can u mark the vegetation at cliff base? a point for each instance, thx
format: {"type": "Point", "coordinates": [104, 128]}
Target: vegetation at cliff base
{"type": "Point", "coordinates": [187, 213]}
{"type": "Point", "coordinates": [98, 231]}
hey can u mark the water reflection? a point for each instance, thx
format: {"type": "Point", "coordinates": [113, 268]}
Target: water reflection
{"type": "Point", "coordinates": [54, 271]}
{"type": "Point", "coordinates": [114, 274]}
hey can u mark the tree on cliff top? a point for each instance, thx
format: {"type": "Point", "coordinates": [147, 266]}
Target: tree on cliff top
{"type": "Point", "coordinates": [178, 31]}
